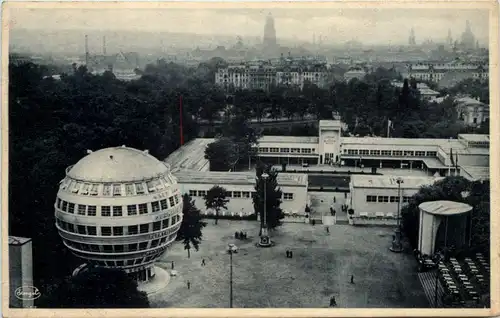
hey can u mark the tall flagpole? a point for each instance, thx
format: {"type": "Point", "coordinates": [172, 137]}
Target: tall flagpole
{"type": "Point", "coordinates": [388, 123]}
{"type": "Point", "coordinates": [181, 132]}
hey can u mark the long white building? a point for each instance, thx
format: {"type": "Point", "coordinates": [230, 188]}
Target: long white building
{"type": "Point", "coordinates": [435, 72]}
{"type": "Point", "coordinates": [247, 76]}
{"type": "Point", "coordinates": [430, 155]}
{"type": "Point", "coordinates": [433, 157]}
{"type": "Point", "coordinates": [241, 189]}
{"type": "Point", "coordinates": [377, 196]}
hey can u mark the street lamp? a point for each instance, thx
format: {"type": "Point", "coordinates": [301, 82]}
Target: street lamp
{"type": "Point", "coordinates": [264, 236]}
{"type": "Point", "coordinates": [231, 250]}
{"type": "Point", "coordinates": [397, 247]}
{"type": "Point", "coordinates": [465, 194]}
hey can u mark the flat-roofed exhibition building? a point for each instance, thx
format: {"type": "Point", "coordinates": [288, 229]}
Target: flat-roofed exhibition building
{"type": "Point", "coordinates": [119, 208]}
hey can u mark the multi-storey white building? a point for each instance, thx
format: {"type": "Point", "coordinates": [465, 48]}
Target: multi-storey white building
{"type": "Point", "coordinates": [472, 112]}
{"type": "Point", "coordinates": [424, 90]}
{"type": "Point", "coordinates": [437, 72]}
{"type": "Point", "coordinates": [120, 208]}
{"type": "Point", "coordinates": [260, 76]}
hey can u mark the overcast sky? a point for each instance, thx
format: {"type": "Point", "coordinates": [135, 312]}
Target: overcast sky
{"type": "Point", "coordinates": [366, 25]}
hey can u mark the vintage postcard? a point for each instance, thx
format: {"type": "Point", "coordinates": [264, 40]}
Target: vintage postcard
{"type": "Point", "coordinates": [250, 159]}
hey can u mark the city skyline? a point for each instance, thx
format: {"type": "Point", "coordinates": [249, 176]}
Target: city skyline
{"type": "Point", "coordinates": [384, 26]}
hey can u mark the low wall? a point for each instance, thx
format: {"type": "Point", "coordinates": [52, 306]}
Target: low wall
{"type": "Point", "coordinates": [374, 221]}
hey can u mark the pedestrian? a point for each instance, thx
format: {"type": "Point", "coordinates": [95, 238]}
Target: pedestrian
{"type": "Point", "coordinates": [352, 279]}
{"type": "Point", "coordinates": [291, 254]}
{"type": "Point", "coordinates": [203, 262]}
{"type": "Point", "coordinates": [327, 229]}
{"type": "Point", "coordinates": [333, 303]}
{"type": "Point", "coordinates": [334, 200]}
{"type": "Point", "coordinates": [287, 254]}
{"type": "Point", "coordinates": [189, 285]}
{"type": "Point", "coordinates": [313, 222]}
{"type": "Point", "coordinates": [172, 264]}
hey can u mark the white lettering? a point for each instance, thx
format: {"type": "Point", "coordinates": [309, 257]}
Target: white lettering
{"type": "Point", "coordinates": [27, 293]}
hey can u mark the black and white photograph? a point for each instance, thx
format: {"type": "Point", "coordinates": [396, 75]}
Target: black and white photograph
{"type": "Point", "coordinates": [249, 155]}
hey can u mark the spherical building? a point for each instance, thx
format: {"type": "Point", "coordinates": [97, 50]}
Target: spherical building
{"type": "Point", "coordinates": [119, 207]}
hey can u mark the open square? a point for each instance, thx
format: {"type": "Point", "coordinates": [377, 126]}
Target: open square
{"type": "Point", "coordinates": [321, 267]}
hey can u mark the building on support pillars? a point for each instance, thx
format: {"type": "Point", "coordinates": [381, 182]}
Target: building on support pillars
{"type": "Point", "coordinates": [444, 222]}
{"type": "Point", "coordinates": [119, 208]}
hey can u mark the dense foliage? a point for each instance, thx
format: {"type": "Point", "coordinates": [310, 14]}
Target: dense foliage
{"type": "Point", "coordinates": [453, 188]}
{"type": "Point", "coordinates": [272, 198]}
{"type": "Point", "coordinates": [53, 122]}
{"type": "Point", "coordinates": [96, 288]}
{"type": "Point", "coordinates": [190, 231]}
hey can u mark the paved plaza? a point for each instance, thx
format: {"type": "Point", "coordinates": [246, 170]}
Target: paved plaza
{"type": "Point", "coordinates": [321, 267]}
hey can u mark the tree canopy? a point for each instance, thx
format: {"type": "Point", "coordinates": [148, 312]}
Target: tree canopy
{"type": "Point", "coordinates": [190, 232]}
{"type": "Point", "coordinates": [216, 199]}
{"type": "Point", "coordinates": [274, 214]}
{"type": "Point", "coordinates": [96, 288]}
{"type": "Point", "coordinates": [452, 188]}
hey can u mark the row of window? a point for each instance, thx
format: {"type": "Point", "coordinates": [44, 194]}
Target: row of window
{"type": "Point", "coordinates": [284, 150]}
{"type": "Point", "coordinates": [397, 153]}
{"type": "Point", "coordinates": [385, 199]}
{"type": "Point", "coordinates": [117, 210]}
{"type": "Point", "coordinates": [119, 248]}
{"type": "Point", "coordinates": [236, 194]}
{"type": "Point", "coordinates": [119, 230]}
{"type": "Point", "coordinates": [116, 189]}
{"type": "Point", "coordinates": [128, 262]}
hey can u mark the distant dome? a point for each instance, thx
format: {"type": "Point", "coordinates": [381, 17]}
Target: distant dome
{"type": "Point", "coordinates": [117, 164]}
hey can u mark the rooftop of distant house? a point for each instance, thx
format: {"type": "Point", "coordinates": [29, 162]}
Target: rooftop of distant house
{"type": "Point", "coordinates": [390, 182]}
{"type": "Point", "coordinates": [236, 178]}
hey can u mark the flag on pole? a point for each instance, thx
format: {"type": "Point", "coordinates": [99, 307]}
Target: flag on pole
{"type": "Point", "coordinates": [389, 127]}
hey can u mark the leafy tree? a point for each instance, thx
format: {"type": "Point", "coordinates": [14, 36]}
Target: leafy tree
{"type": "Point", "coordinates": [238, 130]}
{"type": "Point", "coordinates": [216, 199]}
{"type": "Point", "coordinates": [96, 288]}
{"type": "Point", "coordinates": [274, 214]}
{"type": "Point", "coordinates": [451, 188]}
{"type": "Point", "coordinates": [222, 154]}
{"type": "Point", "coordinates": [190, 231]}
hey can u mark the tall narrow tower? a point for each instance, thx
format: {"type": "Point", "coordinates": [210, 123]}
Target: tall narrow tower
{"type": "Point", "coordinates": [269, 33]}
{"type": "Point", "coordinates": [449, 39]}
{"type": "Point", "coordinates": [411, 40]}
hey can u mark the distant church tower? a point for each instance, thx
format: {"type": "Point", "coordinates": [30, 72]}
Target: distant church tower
{"type": "Point", "coordinates": [449, 39]}
{"type": "Point", "coordinates": [411, 40]}
{"type": "Point", "coordinates": [269, 33]}
{"type": "Point", "coordinates": [468, 38]}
